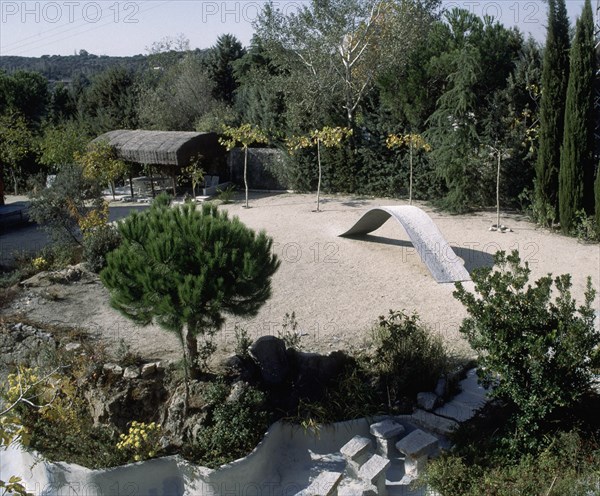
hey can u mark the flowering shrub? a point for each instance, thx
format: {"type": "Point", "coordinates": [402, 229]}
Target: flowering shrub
{"type": "Point", "coordinates": [40, 263]}
{"type": "Point", "coordinates": [142, 441]}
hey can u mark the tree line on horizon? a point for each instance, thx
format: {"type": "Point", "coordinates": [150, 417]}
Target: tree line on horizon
{"type": "Point", "coordinates": [501, 114]}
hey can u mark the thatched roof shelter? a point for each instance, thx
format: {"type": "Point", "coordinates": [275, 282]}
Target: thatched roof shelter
{"type": "Point", "coordinates": [171, 148]}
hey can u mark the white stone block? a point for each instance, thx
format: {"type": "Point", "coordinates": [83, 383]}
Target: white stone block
{"type": "Point", "coordinates": [417, 444]}
{"type": "Point", "coordinates": [433, 423]}
{"type": "Point", "coordinates": [356, 449]}
{"type": "Point", "coordinates": [373, 472]}
{"type": "Point", "coordinates": [325, 484]}
{"type": "Point", "coordinates": [428, 401]}
{"type": "Point", "coordinates": [386, 429]}
{"type": "Point", "coordinates": [386, 434]}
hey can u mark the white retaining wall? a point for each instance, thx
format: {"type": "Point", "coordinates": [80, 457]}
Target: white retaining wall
{"type": "Point", "coordinates": [281, 465]}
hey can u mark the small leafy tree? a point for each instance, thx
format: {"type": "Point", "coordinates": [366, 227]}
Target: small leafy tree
{"type": "Point", "coordinates": [499, 152]}
{"type": "Point", "coordinates": [16, 141]}
{"type": "Point", "coordinates": [195, 173]}
{"type": "Point", "coordinates": [69, 201]}
{"type": "Point", "coordinates": [100, 163]}
{"type": "Point", "coordinates": [415, 143]}
{"type": "Point", "coordinates": [329, 137]}
{"type": "Point", "coordinates": [60, 144]}
{"type": "Point", "coordinates": [245, 135]}
{"type": "Point", "coordinates": [183, 268]}
{"type": "Point", "coordinates": [536, 350]}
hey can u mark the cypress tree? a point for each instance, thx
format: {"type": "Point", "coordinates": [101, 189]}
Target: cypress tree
{"type": "Point", "coordinates": [555, 73]}
{"type": "Point", "coordinates": [576, 178]}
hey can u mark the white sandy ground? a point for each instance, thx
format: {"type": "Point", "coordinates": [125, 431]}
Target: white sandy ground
{"type": "Point", "coordinates": [337, 287]}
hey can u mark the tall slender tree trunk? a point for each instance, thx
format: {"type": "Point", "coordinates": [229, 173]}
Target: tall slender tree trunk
{"type": "Point", "coordinates": [151, 181]}
{"type": "Point", "coordinates": [319, 182]}
{"type": "Point", "coordinates": [410, 180]}
{"type": "Point", "coordinates": [15, 181]}
{"type": "Point", "coordinates": [246, 172]}
{"type": "Point", "coordinates": [131, 183]}
{"type": "Point", "coordinates": [498, 189]}
{"type": "Point", "coordinates": [191, 354]}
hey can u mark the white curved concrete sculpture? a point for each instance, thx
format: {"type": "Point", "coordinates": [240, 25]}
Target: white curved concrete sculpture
{"type": "Point", "coordinates": [434, 250]}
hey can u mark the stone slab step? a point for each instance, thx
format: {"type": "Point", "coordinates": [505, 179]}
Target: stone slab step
{"type": "Point", "coordinates": [458, 411]}
{"type": "Point", "coordinates": [325, 484]}
{"type": "Point", "coordinates": [433, 423]}
{"type": "Point", "coordinates": [386, 429]}
{"type": "Point", "coordinates": [417, 444]}
{"type": "Point", "coordinates": [373, 469]}
{"type": "Point", "coordinates": [470, 384]}
{"type": "Point", "coordinates": [356, 448]}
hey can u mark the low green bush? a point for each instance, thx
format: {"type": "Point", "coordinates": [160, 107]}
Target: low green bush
{"type": "Point", "coordinates": [350, 396]}
{"type": "Point", "coordinates": [97, 244]}
{"type": "Point", "coordinates": [569, 465]}
{"type": "Point", "coordinates": [406, 357]}
{"type": "Point", "coordinates": [232, 428]}
{"type": "Point", "coordinates": [226, 195]}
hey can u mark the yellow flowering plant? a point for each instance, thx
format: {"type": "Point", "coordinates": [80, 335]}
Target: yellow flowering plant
{"type": "Point", "coordinates": [40, 263]}
{"type": "Point", "coordinates": [92, 220]}
{"type": "Point", "coordinates": [142, 441]}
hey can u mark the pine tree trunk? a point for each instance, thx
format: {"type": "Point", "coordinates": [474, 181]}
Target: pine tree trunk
{"type": "Point", "coordinates": [191, 354]}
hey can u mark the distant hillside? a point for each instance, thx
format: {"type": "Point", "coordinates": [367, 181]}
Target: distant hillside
{"type": "Point", "coordinates": [65, 67]}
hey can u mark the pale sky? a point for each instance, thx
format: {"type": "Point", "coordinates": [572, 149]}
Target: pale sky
{"type": "Point", "coordinates": [120, 27]}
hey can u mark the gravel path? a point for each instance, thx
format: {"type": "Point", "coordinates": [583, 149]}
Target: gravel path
{"type": "Point", "coordinates": [337, 287]}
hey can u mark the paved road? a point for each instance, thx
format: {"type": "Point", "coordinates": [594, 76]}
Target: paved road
{"type": "Point", "coordinates": [29, 238]}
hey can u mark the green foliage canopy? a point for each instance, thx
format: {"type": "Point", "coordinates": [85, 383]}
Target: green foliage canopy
{"type": "Point", "coordinates": [535, 350]}
{"type": "Point", "coordinates": [183, 268]}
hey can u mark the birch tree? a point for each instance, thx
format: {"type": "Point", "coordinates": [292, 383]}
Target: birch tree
{"type": "Point", "coordinates": [337, 49]}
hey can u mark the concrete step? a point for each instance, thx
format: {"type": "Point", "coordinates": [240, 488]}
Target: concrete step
{"type": "Point", "coordinates": [457, 410]}
{"type": "Point", "coordinates": [397, 483]}
{"type": "Point", "coordinates": [433, 423]}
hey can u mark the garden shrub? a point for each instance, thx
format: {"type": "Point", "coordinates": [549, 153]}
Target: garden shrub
{"type": "Point", "coordinates": [349, 396]}
{"type": "Point", "coordinates": [59, 208]}
{"type": "Point", "coordinates": [536, 351]}
{"type": "Point", "coordinates": [97, 244]}
{"type": "Point", "coordinates": [141, 442]}
{"type": "Point", "coordinates": [232, 428]}
{"type": "Point", "coordinates": [59, 424]}
{"type": "Point", "coordinates": [569, 465]}
{"type": "Point", "coordinates": [407, 358]}
{"type": "Point", "coordinates": [243, 342]}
